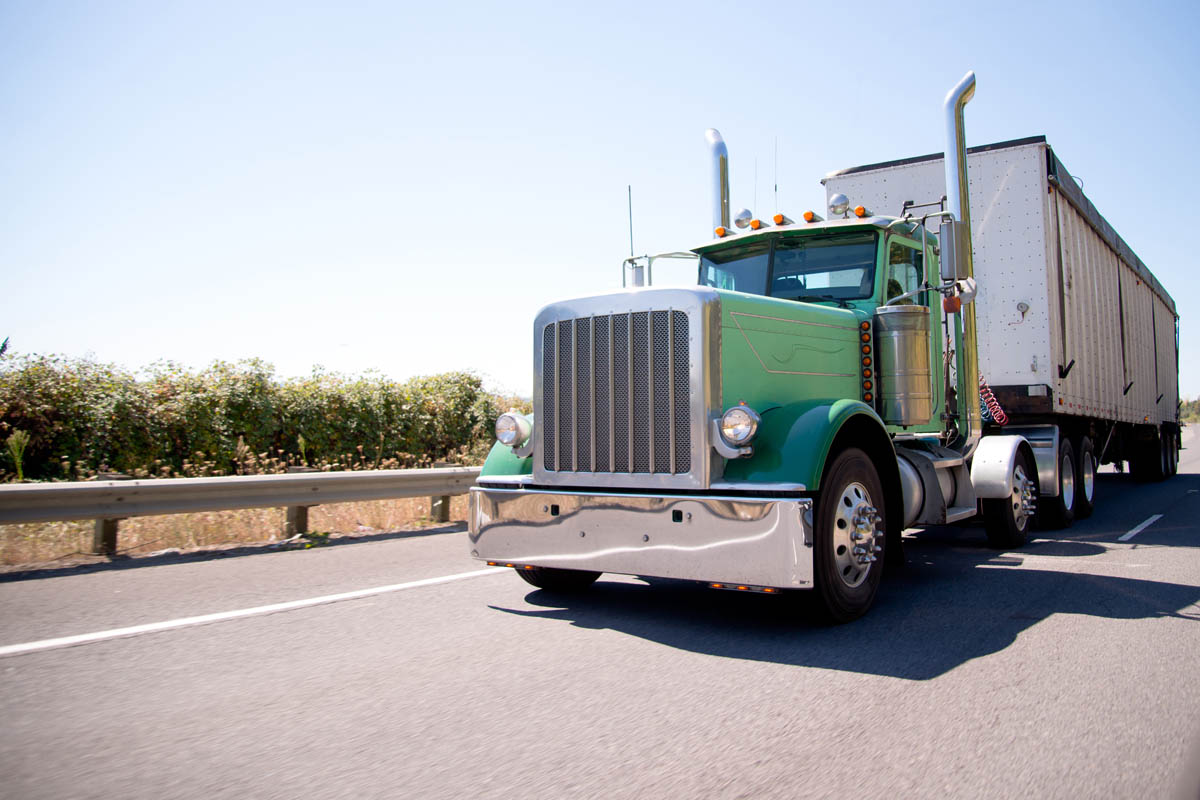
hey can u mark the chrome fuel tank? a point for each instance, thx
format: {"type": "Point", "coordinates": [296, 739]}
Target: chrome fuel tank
{"type": "Point", "coordinates": [902, 364]}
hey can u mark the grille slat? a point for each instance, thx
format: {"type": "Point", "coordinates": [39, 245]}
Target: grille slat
{"type": "Point", "coordinates": [616, 394]}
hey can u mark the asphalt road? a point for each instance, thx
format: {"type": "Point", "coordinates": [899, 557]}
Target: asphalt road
{"type": "Point", "coordinates": [1066, 669]}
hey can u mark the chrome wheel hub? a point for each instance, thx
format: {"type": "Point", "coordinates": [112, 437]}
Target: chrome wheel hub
{"type": "Point", "coordinates": [855, 534]}
{"type": "Point", "coordinates": [1023, 498]}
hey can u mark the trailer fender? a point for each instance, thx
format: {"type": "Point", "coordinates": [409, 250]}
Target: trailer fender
{"type": "Point", "coordinates": [992, 466]}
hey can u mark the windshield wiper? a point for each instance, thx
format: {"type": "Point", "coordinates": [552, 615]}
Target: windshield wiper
{"type": "Point", "coordinates": [808, 298]}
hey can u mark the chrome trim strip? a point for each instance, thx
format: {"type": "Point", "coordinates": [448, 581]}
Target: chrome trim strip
{"type": "Point", "coordinates": [519, 480]}
{"type": "Point", "coordinates": [725, 486]}
{"type": "Point", "coordinates": [592, 385]}
{"type": "Point", "coordinates": [650, 387]}
{"type": "Point", "coordinates": [793, 321]}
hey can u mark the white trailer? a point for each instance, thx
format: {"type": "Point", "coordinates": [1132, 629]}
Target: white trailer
{"type": "Point", "coordinates": [1077, 338]}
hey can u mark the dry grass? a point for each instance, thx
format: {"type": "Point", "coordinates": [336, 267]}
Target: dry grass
{"type": "Point", "coordinates": [38, 543]}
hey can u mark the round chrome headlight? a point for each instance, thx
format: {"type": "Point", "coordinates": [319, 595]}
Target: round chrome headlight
{"type": "Point", "coordinates": [738, 425]}
{"type": "Point", "coordinates": [512, 430]}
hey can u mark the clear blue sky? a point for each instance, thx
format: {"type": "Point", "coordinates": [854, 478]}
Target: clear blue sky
{"type": "Point", "coordinates": [401, 187]}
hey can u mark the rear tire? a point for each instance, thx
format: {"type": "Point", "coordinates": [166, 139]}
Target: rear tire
{"type": "Point", "coordinates": [1005, 519]}
{"type": "Point", "coordinates": [1085, 485]}
{"type": "Point", "coordinates": [1059, 512]}
{"type": "Point", "coordinates": [558, 580]}
{"type": "Point", "coordinates": [847, 570]}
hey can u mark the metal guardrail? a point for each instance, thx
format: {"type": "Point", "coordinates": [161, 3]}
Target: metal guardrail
{"type": "Point", "coordinates": [107, 502]}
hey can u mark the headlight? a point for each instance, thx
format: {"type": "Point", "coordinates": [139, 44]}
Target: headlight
{"type": "Point", "coordinates": [738, 425]}
{"type": "Point", "coordinates": [512, 430]}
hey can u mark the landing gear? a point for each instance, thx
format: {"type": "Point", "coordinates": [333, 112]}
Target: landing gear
{"type": "Point", "coordinates": [849, 538]}
{"type": "Point", "coordinates": [1008, 519]}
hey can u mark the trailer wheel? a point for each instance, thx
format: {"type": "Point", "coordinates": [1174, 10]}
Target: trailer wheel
{"type": "Point", "coordinates": [1170, 454]}
{"type": "Point", "coordinates": [1059, 512]}
{"type": "Point", "coordinates": [849, 538]}
{"type": "Point", "coordinates": [558, 580]}
{"type": "Point", "coordinates": [1007, 519]}
{"type": "Point", "coordinates": [1174, 453]}
{"type": "Point", "coordinates": [1085, 486]}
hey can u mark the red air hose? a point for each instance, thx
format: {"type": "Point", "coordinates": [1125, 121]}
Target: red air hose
{"type": "Point", "coordinates": [989, 405]}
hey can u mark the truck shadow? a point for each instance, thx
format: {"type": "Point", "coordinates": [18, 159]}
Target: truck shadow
{"type": "Point", "coordinates": [954, 601]}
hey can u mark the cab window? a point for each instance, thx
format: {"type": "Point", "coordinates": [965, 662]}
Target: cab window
{"type": "Point", "coordinates": [905, 271]}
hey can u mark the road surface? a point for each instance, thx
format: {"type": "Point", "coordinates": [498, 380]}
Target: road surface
{"type": "Point", "coordinates": [1066, 669]}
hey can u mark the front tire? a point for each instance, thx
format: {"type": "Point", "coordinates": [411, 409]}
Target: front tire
{"type": "Point", "coordinates": [849, 537]}
{"type": "Point", "coordinates": [558, 580]}
{"type": "Point", "coordinates": [1008, 519]}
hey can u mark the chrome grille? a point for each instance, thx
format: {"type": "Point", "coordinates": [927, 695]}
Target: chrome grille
{"type": "Point", "coordinates": [616, 394]}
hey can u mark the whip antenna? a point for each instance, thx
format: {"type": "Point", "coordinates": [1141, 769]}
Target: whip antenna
{"type": "Point", "coordinates": [630, 188]}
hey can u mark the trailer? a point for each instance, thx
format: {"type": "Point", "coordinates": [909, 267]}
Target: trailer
{"type": "Point", "coordinates": [1078, 341]}
{"type": "Point", "coordinates": [938, 348]}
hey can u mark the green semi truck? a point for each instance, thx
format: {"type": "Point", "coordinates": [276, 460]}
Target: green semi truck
{"type": "Point", "coordinates": [776, 427]}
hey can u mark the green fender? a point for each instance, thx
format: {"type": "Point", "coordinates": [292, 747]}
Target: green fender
{"type": "Point", "coordinates": [794, 440]}
{"type": "Point", "coordinates": [501, 461]}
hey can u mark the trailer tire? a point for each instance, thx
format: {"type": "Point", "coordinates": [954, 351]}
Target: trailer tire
{"type": "Point", "coordinates": [846, 587]}
{"type": "Point", "coordinates": [1085, 485]}
{"type": "Point", "coordinates": [1005, 520]}
{"type": "Point", "coordinates": [558, 580]}
{"type": "Point", "coordinates": [1059, 511]}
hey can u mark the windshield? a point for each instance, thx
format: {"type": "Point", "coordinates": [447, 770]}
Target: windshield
{"type": "Point", "coordinates": [834, 267]}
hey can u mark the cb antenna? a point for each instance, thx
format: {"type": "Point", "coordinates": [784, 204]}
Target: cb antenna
{"type": "Point", "coordinates": [777, 174]}
{"type": "Point", "coordinates": [630, 188]}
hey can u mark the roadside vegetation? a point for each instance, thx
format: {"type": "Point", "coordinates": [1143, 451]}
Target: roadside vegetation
{"type": "Point", "coordinates": [75, 419]}
{"type": "Point", "coordinates": [79, 419]}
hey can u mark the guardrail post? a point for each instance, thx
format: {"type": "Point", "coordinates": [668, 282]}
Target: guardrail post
{"type": "Point", "coordinates": [297, 521]}
{"type": "Point", "coordinates": [104, 537]}
{"type": "Point", "coordinates": [439, 508]}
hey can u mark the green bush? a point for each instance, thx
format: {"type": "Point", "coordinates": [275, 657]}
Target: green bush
{"type": "Point", "coordinates": [84, 418]}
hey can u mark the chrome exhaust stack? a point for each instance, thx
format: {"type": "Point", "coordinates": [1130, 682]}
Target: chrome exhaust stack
{"type": "Point", "coordinates": [957, 261]}
{"type": "Point", "coordinates": [720, 178]}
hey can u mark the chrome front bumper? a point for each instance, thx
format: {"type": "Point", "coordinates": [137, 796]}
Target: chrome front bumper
{"type": "Point", "coordinates": [742, 540]}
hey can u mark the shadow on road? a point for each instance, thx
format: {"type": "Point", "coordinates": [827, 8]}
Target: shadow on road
{"type": "Point", "coordinates": [104, 563]}
{"type": "Point", "coordinates": [955, 600]}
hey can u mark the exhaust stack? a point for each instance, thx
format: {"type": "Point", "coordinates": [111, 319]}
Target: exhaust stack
{"type": "Point", "coordinates": [720, 178]}
{"type": "Point", "coordinates": [957, 261]}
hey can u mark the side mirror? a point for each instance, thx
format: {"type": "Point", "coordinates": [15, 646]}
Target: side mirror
{"type": "Point", "coordinates": [955, 245]}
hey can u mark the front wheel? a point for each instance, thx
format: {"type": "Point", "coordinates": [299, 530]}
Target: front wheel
{"type": "Point", "coordinates": [1007, 519]}
{"type": "Point", "coordinates": [849, 537]}
{"type": "Point", "coordinates": [558, 580]}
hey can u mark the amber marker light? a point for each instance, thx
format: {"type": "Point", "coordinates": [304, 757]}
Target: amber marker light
{"type": "Point", "coordinates": [866, 349]}
{"type": "Point", "coordinates": [809, 216]}
{"type": "Point", "coordinates": [866, 337]}
{"type": "Point", "coordinates": [868, 397]}
{"type": "Point", "coordinates": [867, 385]}
{"type": "Point", "coordinates": [860, 211]}
{"type": "Point", "coordinates": [722, 231]}
{"type": "Point", "coordinates": [866, 326]}
{"type": "Point", "coordinates": [866, 373]}
{"type": "Point", "coordinates": [781, 219]}
{"type": "Point", "coordinates": [755, 224]}
{"type": "Point", "coordinates": [867, 361]}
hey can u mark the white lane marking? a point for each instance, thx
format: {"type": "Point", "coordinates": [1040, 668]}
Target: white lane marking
{"type": "Point", "coordinates": [1125, 537]}
{"type": "Point", "coordinates": [153, 627]}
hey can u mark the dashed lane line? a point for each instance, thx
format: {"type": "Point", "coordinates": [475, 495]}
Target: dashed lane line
{"type": "Point", "coordinates": [1125, 537]}
{"type": "Point", "coordinates": [154, 627]}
